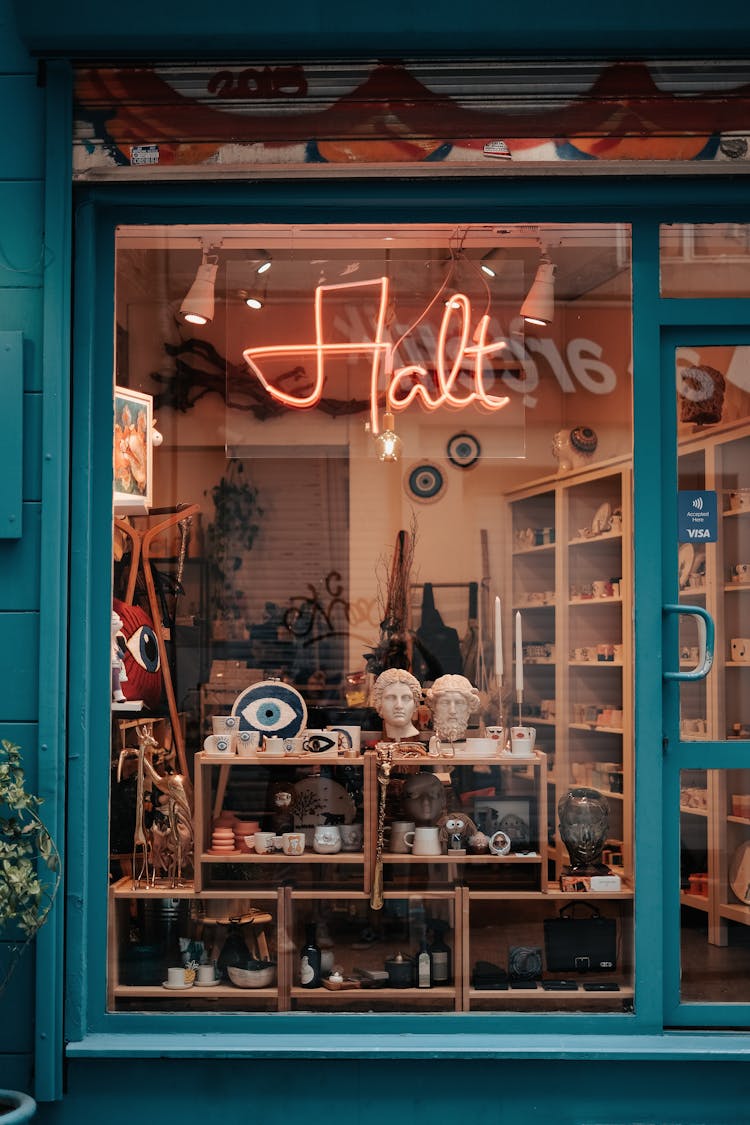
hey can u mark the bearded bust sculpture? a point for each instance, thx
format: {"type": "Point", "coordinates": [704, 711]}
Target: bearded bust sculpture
{"type": "Point", "coordinates": [453, 701]}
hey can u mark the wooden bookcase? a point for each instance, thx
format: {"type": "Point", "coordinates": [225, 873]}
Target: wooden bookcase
{"type": "Point", "coordinates": [486, 904]}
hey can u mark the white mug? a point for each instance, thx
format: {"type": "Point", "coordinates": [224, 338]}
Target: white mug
{"type": "Point", "coordinates": [206, 974]}
{"type": "Point", "coordinates": [272, 744]}
{"type": "Point", "coordinates": [498, 733]}
{"type": "Point", "coordinates": [424, 841]}
{"type": "Point", "coordinates": [349, 737]}
{"type": "Point", "coordinates": [176, 977]}
{"type": "Point", "coordinates": [265, 842]}
{"type": "Point", "coordinates": [247, 743]}
{"type": "Point", "coordinates": [219, 744]}
{"type": "Point", "coordinates": [223, 724]}
{"type": "Point", "coordinates": [522, 740]}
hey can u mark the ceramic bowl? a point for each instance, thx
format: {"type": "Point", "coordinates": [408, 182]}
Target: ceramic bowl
{"type": "Point", "coordinates": [262, 976]}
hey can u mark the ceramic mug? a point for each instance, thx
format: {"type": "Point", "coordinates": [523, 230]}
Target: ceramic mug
{"type": "Point", "coordinates": [294, 745]}
{"type": "Point", "coordinates": [424, 841]}
{"type": "Point", "coordinates": [274, 745]}
{"type": "Point", "coordinates": [398, 830]}
{"type": "Point", "coordinates": [265, 842]}
{"type": "Point", "coordinates": [320, 741]}
{"type": "Point", "coordinates": [601, 588]}
{"type": "Point", "coordinates": [247, 743]}
{"type": "Point", "coordinates": [205, 974]}
{"type": "Point", "coordinates": [498, 733]}
{"type": "Point", "coordinates": [739, 499]}
{"type": "Point", "coordinates": [219, 744]}
{"type": "Point", "coordinates": [327, 839]}
{"type": "Point", "coordinates": [522, 740]}
{"type": "Point", "coordinates": [176, 977]}
{"type": "Point", "coordinates": [349, 737]}
{"type": "Point", "coordinates": [223, 724]}
{"type": "Point", "coordinates": [293, 843]}
{"type": "Point", "coordinates": [351, 837]}
{"type": "Point", "coordinates": [740, 649]}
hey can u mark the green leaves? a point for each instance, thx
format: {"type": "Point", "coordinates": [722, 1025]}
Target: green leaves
{"type": "Point", "coordinates": [29, 859]}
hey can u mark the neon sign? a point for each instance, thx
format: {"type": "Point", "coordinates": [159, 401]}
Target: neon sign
{"type": "Point", "coordinates": [403, 385]}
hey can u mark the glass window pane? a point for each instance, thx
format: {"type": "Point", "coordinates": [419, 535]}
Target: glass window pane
{"type": "Point", "coordinates": [704, 259]}
{"type": "Point", "coordinates": [713, 404]}
{"type": "Point", "coordinates": [387, 451]}
{"type": "Point", "coordinates": [715, 885]}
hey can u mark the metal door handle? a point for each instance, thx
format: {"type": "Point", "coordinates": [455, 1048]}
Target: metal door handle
{"type": "Point", "coordinates": [706, 633]}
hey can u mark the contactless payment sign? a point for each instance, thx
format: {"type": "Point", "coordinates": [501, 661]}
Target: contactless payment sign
{"type": "Point", "coordinates": [697, 517]}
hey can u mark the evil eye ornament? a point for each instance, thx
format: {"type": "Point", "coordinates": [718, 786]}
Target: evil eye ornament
{"type": "Point", "coordinates": [139, 650]}
{"type": "Point", "coordinates": [424, 482]}
{"type": "Point", "coordinates": [271, 707]}
{"type": "Point", "coordinates": [463, 450]}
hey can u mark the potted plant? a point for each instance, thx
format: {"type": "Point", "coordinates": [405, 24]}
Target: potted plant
{"type": "Point", "coordinates": [29, 880]}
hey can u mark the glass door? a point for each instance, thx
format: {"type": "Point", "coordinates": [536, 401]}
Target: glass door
{"type": "Point", "coordinates": [707, 680]}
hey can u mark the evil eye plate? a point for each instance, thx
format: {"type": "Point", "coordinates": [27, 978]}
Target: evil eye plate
{"type": "Point", "coordinates": [271, 707]}
{"type": "Point", "coordinates": [319, 743]}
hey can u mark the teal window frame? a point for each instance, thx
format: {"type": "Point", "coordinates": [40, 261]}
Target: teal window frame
{"type": "Point", "coordinates": [644, 202]}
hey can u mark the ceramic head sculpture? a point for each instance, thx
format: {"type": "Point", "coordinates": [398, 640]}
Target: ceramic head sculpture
{"type": "Point", "coordinates": [453, 700]}
{"type": "Point", "coordinates": [574, 448]}
{"type": "Point", "coordinates": [423, 798]}
{"type": "Point", "coordinates": [395, 696]}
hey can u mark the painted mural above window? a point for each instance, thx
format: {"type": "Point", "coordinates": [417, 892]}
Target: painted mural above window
{"type": "Point", "coordinates": [219, 119]}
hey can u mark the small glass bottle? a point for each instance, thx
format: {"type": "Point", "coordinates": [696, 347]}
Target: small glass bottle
{"type": "Point", "coordinates": [441, 956]}
{"type": "Point", "coordinates": [309, 962]}
{"type": "Point", "coordinates": [424, 966]}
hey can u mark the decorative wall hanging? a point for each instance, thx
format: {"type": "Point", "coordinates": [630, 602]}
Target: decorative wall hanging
{"type": "Point", "coordinates": [424, 482]}
{"type": "Point", "coordinates": [464, 450]}
{"type": "Point", "coordinates": [271, 707]}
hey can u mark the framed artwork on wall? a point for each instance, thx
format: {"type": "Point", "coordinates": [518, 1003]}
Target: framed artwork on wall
{"type": "Point", "coordinates": [513, 815]}
{"type": "Point", "coordinates": [133, 452]}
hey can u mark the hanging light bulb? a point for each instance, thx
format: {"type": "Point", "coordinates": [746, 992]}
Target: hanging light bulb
{"type": "Point", "coordinates": [198, 305]}
{"type": "Point", "coordinates": [539, 306]}
{"type": "Point", "coordinates": [388, 443]}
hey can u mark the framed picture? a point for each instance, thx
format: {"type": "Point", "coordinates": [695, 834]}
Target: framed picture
{"type": "Point", "coordinates": [133, 452]}
{"type": "Point", "coordinates": [516, 816]}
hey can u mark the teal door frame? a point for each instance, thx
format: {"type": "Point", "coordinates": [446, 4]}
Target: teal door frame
{"type": "Point", "coordinates": [640, 201]}
{"type": "Point", "coordinates": [701, 322]}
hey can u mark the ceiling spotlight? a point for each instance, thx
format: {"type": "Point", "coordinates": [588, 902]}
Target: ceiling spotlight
{"type": "Point", "coordinates": [266, 262]}
{"type": "Point", "coordinates": [488, 263]}
{"type": "Point", "coordinates": [198, 306]}
{"type": "Point", "coordinates": [253, 298]}
{"type": "Point", "coordinates": [539, 306]}
{"type": "Point", "coordinates": [388, 443]}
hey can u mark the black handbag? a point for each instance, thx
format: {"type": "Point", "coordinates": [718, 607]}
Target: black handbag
{"type": "Point", "coordinates": [580, 944]}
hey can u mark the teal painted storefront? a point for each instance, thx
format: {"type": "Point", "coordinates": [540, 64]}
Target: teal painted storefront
{"type": "Point", "coordinates": [609, 1069]}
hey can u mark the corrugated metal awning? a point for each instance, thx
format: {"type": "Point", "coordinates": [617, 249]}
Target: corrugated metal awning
{"type": "Point", "coordinates": [216, 119]}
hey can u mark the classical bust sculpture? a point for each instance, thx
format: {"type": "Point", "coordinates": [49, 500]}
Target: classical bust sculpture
{"type": "Point", "coordinates": [423, 798]}
{"type": "Point", "coordinates": [395, 696]}
{"type": "Point", "coordinates": [453, 699]}
{"type": "Point", "coordinates": [584, 826]}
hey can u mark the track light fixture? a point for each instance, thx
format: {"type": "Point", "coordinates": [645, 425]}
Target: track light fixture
{"type": "Point", "coordinates": [539, 306]}
{"type": "Point", "coordinates": [266, 262]}
{"type": "Point", "coordinates": [198, 305]}
{"type": "Point", "coordinates": [488, 264]}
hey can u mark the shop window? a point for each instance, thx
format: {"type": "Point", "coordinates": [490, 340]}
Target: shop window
{"type": "Point", "coordinates": [704, 259]}
{"type": "Point", "coordinates": [370, 459]}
